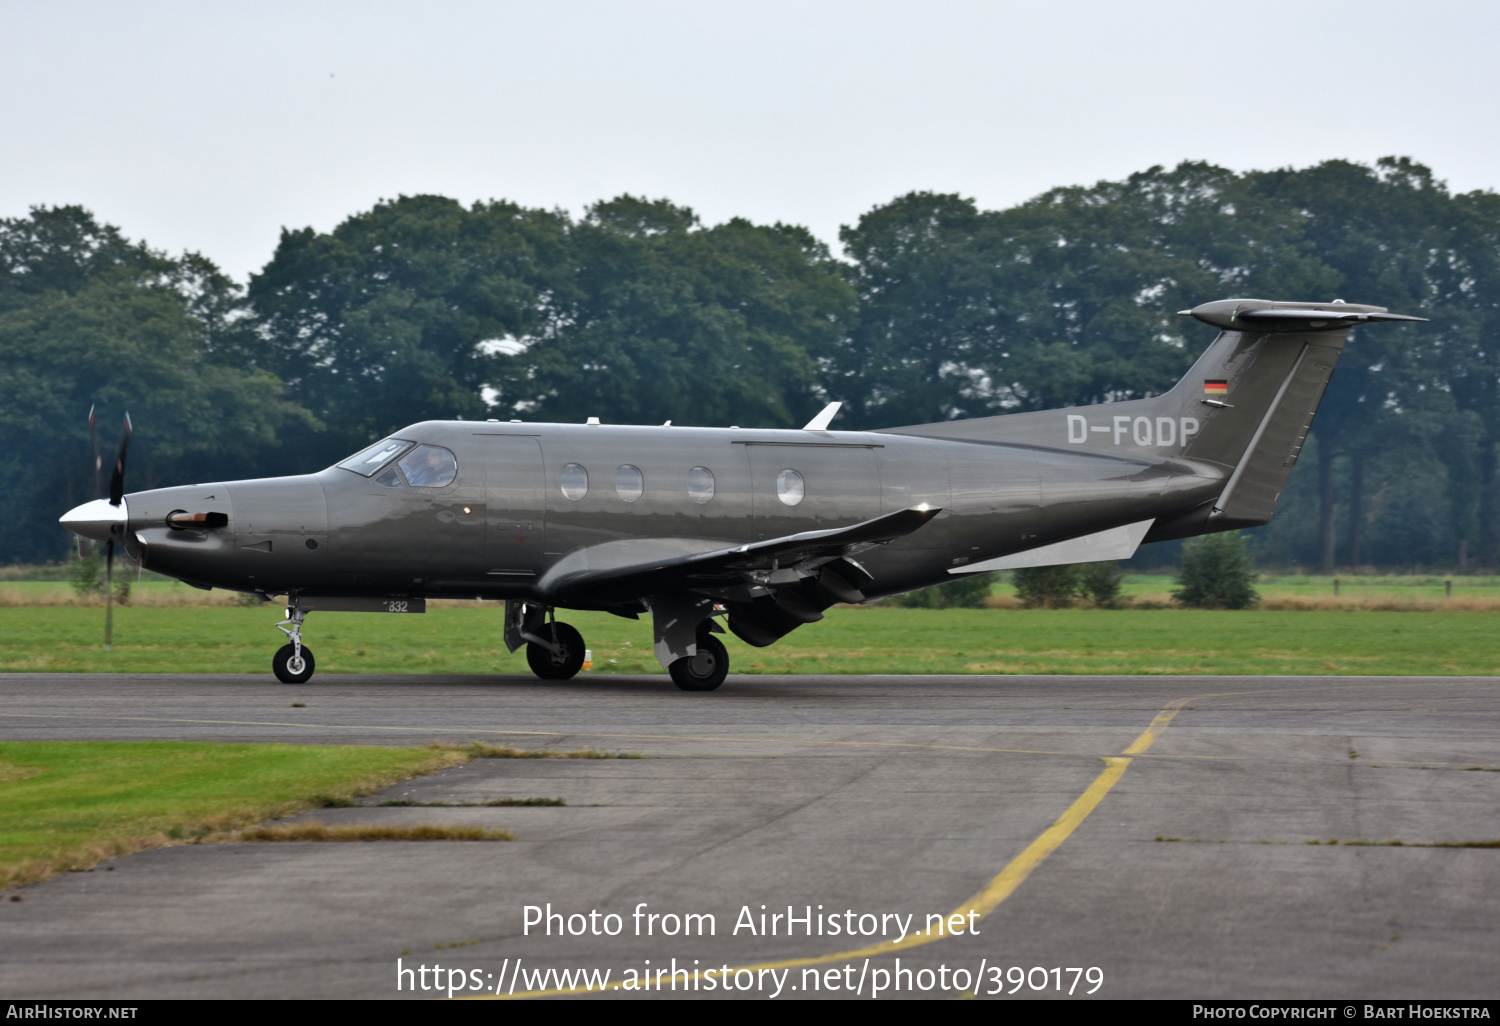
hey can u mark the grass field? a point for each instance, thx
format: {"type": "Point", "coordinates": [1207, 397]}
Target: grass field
{"type": "Point", "coordinates": [68, 805]}
{"type": "Point", "coordinates": [1278, 591]}
{"type": "Point", "coordinates": [1316, 592]}
{"type": "Point", "coordinates": [466, 639]}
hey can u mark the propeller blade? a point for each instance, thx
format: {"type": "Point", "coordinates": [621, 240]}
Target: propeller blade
{"type": "Point", "coordinates": [101, 479]}
{"type": "Point", "coordinates": [109, 595]}
{"type": "Point", "coordinates": [117, 475]}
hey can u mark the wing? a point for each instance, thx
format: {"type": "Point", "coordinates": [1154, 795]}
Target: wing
{"type": "Point", "coordinates": [773, 562]}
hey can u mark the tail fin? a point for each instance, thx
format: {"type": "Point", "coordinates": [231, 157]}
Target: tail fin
{"type": "Point", "coordinates": [1246, 405]}
{"type": "Point", "coordinates": [1258, 387]}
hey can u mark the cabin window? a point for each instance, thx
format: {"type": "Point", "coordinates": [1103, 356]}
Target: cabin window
{"type": "Point", "coordinates": [629, 484]}
{"type": "Point", "coordinates": [700, 484]}
{"type": "Point", "coordinates": [789, 487]}
{"type": "Point", "coordinates": [389, 479]}
{"type": "Point", "coordinates": [428, 466]}
{"type": "Point", "coordinates": [367, 462]}
{"type": "Point", "coordinates": [575, 482]}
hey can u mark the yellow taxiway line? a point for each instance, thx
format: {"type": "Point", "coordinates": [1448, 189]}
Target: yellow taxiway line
{"type": "Point", "coordinates": [988, 899]}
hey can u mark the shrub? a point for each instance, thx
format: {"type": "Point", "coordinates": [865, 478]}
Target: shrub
{"type": "Point", "coordinates": [1216, 573]}
{"type": "Point", "coordinates": [963, 593]}
{"type": "Point", "coordinates": [86, 574]}
{"type": "Point", "coordinates": [1100, 582]}
{"type": "Point", "coordinates": [1047, 587]}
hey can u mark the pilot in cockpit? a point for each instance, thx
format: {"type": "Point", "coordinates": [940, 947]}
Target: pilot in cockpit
{"type": "Point", "coordinates": [429, 466]}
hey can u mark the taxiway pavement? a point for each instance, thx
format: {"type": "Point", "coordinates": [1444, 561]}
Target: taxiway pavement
{"type": "Point", "coordinates": [1157, 828]}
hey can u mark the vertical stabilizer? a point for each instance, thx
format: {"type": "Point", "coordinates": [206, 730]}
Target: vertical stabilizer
{"type": "Point", "coordinates": [1243, 411]}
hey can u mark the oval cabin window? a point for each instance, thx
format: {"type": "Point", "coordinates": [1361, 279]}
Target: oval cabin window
{"type": "Point", "coordinates": [700, 484]}
{"type": "Point", "coordinates": [629, 483]}
{"type": "Point", "coordinates": [575, 482]}
{"type": "Point", "coordinates": [789, 487]}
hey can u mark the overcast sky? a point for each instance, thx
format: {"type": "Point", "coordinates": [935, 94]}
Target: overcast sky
{"type": "Point", "coordinates": [210, 126]}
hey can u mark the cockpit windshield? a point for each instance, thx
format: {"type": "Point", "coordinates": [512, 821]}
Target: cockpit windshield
{"type": "Point", "coordinates": [369, 462]}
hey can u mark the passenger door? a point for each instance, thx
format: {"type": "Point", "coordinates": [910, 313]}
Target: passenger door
{"type": "Point", "coordinates": [515, 524]}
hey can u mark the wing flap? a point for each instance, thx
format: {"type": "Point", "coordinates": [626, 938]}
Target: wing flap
{"type": "Point", "coordinates": [734, 564]}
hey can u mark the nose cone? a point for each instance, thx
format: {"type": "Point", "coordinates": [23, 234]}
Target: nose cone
{"type": "Point", "coordinates": [97, 520]}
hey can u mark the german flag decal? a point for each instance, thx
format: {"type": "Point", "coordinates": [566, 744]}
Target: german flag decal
{"type": "Point", "coordinates": [1215, 386]}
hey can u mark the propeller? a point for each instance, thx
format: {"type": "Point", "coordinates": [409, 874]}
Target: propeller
{"type": "Point", "coordinates": [111, 486]}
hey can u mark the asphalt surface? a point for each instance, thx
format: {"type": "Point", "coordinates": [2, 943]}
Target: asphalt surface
{"type": "Point", "coordinates": [1184, 872]}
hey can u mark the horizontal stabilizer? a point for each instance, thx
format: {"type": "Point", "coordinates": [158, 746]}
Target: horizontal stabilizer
{"type": "Point", "coordinates": [1264, 315]}
{"type": "Point", "coordinates": [1301, 318]}
{"type": "Point", "coordinates": [1099, 547]}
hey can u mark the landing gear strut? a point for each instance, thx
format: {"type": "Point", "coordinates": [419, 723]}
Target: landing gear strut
{"type": "Point", "coordinates": [293, 664]}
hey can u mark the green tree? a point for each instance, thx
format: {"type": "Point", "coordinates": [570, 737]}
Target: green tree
{"type": "Point", "coordinates": [962, 593]}
{"type": "Point", "coordinates": [78, 330]}
{"type": "Point", "coordinates": [1100, 584]}
{"type": "Point", "coordinates": [402, 313]}
{"type": "Point", "coordinates": [62, 249]}
{"type": "Point", "coordinates": [1216, 573]}
{"type": "Point", "coordinates": [665, 319]}
{"type": "Point", "coordinates": [1047, 587]}
{"type": "Point", "coordinates": [1387, 234]}
{"type": "Point", "coordinates": [86, 573]}
{"type": "Point", "coordinates": [1067, 299]}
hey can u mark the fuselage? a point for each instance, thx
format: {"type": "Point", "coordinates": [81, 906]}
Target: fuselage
{"type": "Point", "coordinates": [530, 503]}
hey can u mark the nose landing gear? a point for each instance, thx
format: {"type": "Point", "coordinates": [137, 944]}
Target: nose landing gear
{"type": "Point", "coordinates": [559, 655]}
{"type": "Point", "coordinates": [293, 664]}
{"type": "Point", "coordinates": [554, 650]}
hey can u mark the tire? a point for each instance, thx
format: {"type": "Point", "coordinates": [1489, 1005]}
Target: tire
{"type": "Point", "coordinates": [281, 665]}
{"type": "Point", "coordinates": [568, 660]}
{"type": "Point", "coordinates": [704, 671]}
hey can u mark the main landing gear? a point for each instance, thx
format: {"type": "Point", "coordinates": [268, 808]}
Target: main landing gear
{"type": "Point", "coordinates": [704, 670]}
{"type": "Point", "coordinates": [685, 642]}
{"type": "Point", "coordinates": [293, 664]}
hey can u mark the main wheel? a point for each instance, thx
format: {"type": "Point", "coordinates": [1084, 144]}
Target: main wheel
{"type": "Point", "coordinates": [289, 670]}
{"type": "Point", "coordinates": [565, 662]}
{"type": "Point", "coordinates": [704, 671]}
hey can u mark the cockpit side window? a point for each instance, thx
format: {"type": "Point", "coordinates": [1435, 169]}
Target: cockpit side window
{"type": "Point", "coordinates": [429, 466]}
{"type": "Point", "coordinates": [369, 462]}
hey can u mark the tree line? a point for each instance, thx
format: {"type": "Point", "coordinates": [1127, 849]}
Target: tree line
{"type": "Point", "coordinates": [636, 311]}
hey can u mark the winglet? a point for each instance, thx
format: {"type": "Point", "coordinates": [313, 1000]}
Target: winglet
{"type": "Point", "coordinates": [823, 419]}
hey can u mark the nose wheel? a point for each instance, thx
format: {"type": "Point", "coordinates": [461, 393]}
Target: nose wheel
{"type": "Point", "coordinates": [293, 664]}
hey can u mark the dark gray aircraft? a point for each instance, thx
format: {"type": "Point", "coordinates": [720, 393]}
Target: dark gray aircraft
{"type": "Point", "coordinates": [764, 528]}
